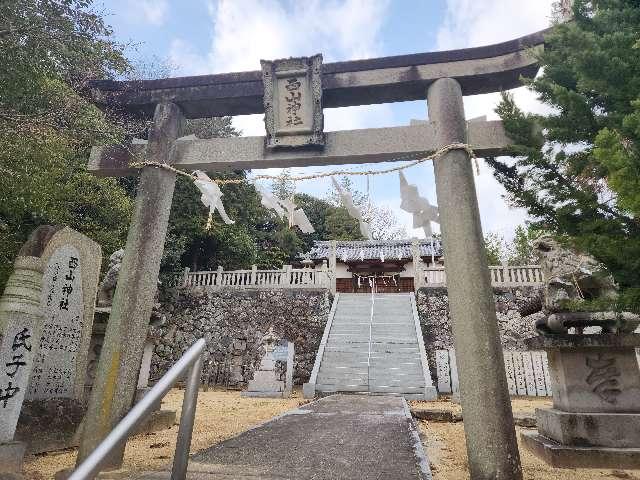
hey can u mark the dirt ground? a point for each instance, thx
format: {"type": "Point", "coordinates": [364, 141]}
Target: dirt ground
{"type": "Point", "coordinates": [219, 415]}
{"type": "Point", "coordinates": [446, 450]}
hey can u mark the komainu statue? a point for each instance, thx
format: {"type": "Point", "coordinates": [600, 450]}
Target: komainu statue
{"type": "Point", "coordinates": [571, 277]}
{"type": "Point", "coordinates": [108, 285]}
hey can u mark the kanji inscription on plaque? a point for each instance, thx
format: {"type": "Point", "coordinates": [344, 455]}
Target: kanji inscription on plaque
{"type": "Point", "coordinates": [293, 102]}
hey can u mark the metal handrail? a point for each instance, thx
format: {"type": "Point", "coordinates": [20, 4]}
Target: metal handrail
{"type": "Point", "coordinates": [191, 361]}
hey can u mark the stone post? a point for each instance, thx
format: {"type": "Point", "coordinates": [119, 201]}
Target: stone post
{"type": "Point", "coordinates": [185, 277]}
{"type": "Point", "coordinates": [219, 271]}
{"type": "Point", "coordinates": [285, 279]}
{"type": "Point", "coordinates": [117, 372]}
{"type": "Point", "coordinates": [145, 365]}
{"type": "Point", "coordinates": [488, 420]}
{"type": "Point", "coordinates": [324, 275]}
{"type": "Point", "coordinates": [418, 272]}
{"type": "Point", "coordinates": [332, 265]}
{"type": "Point", "coordinates": [254, 274]}
{"type": "Point", "coordinates": [21, 321]}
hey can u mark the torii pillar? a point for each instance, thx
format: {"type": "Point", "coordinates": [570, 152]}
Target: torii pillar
{"type": "Point", "coordinates": [492, 448]}
{"type": "Point", "coordinates": [117, 373]}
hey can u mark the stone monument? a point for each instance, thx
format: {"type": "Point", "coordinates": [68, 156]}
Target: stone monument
{"type": "Point", "coordinates": [71, 263]}
{"type": "Point", "coordinates": [595, 419]}
{"type": "Point", "coordinates": [45, 348]}
{"type": "Point", "coordinates": [264, 383]}
{"type": "Point", "coordinates": [21, 324]}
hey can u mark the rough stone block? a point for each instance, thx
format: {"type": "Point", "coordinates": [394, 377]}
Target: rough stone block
{"type": "Point", "coordinates": [309, 390]}
{"type": "Point", "coordinates": [262, 394]}
{"type": "Point", "coordinates": [156, 421]}
{"type": "Point", "coordinates": [433, 414]}
{"type": "Point", "coordinates": [430, 393]}
{"type": "Point", "coordinates": [617, 430]}
{"type": "Point", "coordinates": [11, 459]}
{"type": "Point", "coordinates": [563, 456]}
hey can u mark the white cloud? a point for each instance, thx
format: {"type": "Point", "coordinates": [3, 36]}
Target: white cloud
{"type": "Point", "coordinates": [153, 12]}
{"type": "Point", "coordinates": [184, 58]}
{"type": "Point", "coordinates": [472, 23]}
{"type": "Point", "coordinates": [245, 32]}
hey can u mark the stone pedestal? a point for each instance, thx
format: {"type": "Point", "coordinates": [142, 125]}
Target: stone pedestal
{"type": "Point", "coordinates": [595, 419]}
{"type": "Point", "coordinates": [11, 459]}
{"type": "Point", "coordinates": [264, 383]}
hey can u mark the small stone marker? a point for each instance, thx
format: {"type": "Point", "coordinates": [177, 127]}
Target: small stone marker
{"type": "Point", "coordinates": [442, 367]}
{"type": "Point", "coordinates": [71, 264]}
{"type": "Point", "coordinates": [521, 383]}
{"type": "Point", "coordinates": [528, 374]}
{"type": "Point", "coordinates": [455, 382]}
{"type": "Point", "coordinates": [264, 383]}
{"type": "Point", "coordinates": [508, 366]}
{"type": "Point", "coordinates": [538, 371]}
{"type": "Point", "coordinates": [288, 385]}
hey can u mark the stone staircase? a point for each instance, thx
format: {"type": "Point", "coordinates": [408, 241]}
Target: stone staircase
{"type": "Point", "coordinates": [372, 344]}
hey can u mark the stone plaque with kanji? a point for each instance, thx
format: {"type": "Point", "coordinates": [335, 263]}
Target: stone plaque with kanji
{"type": "Point", "coordinates": [71, 264]}
{"type": "Point", "coordinates": [293, 102]}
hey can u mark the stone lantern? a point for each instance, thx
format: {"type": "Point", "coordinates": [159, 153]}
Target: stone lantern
{"type": "Point", "coordinates": [264, 383]}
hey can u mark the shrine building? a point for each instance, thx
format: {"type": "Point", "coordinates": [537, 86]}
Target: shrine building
{"type": "Point", "coordinates": [389, 265]}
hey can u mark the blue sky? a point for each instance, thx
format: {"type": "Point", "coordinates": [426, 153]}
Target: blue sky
{"type": "Point", "coordinates": [209, 36]}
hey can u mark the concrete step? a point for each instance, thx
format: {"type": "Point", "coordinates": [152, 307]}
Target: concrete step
{"type": "Point", "coordinates": [372, 351]}
{"type": "Point", "coordinates": [325, 387]}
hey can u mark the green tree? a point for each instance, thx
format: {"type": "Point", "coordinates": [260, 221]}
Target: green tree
{"type": "Point", "coordinates": [494, 247]}
{"type": "Point", "coordinates": [577, 169]}
{"type": "Point", "coordinates": [520, 250]}
{"type": "Point", "coordinates": [283, 186]}
{"type": "Point", "coordinates": [48, 51]}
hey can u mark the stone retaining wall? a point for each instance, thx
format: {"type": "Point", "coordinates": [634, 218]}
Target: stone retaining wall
{"type": "Point", "coordinates": [433, 310]}
{"type": "Point", "coordinates": [233, 323]}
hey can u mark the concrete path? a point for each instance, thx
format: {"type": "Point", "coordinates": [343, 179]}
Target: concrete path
{"type": "Point", "coordinates": [337, 437]}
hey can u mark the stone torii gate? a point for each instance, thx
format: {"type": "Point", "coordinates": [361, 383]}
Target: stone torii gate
{"type": "Point", "coordinates": [440, 77]}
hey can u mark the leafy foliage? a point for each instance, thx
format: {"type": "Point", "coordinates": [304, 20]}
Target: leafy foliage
{"type": "Point", "coordinates": [48, 50]}
{"type": "Point", "coordinates": [577, 169]}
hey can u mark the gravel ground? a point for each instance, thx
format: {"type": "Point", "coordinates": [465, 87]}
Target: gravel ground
{"type": "Point", "coordinates": [219, 415]}
{"type": "Point", "coordinates": [446, 449]}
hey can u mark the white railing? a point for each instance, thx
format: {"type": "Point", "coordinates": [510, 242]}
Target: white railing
{"type": "Point", "coordinates": [501, 276]}
{"type": "Point", "coordinates": [286, 278]}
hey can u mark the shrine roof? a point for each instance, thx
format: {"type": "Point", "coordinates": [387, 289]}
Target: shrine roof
{"type": "Point", "coordinates": [347, 251]}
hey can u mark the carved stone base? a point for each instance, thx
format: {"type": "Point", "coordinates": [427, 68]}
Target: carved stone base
{"type": "Point", "coordinates": [563, 456]}
{"type": "Point", "coordinates": [615, 430]}
{"type": "Point", "coordinates": [593, 373]}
